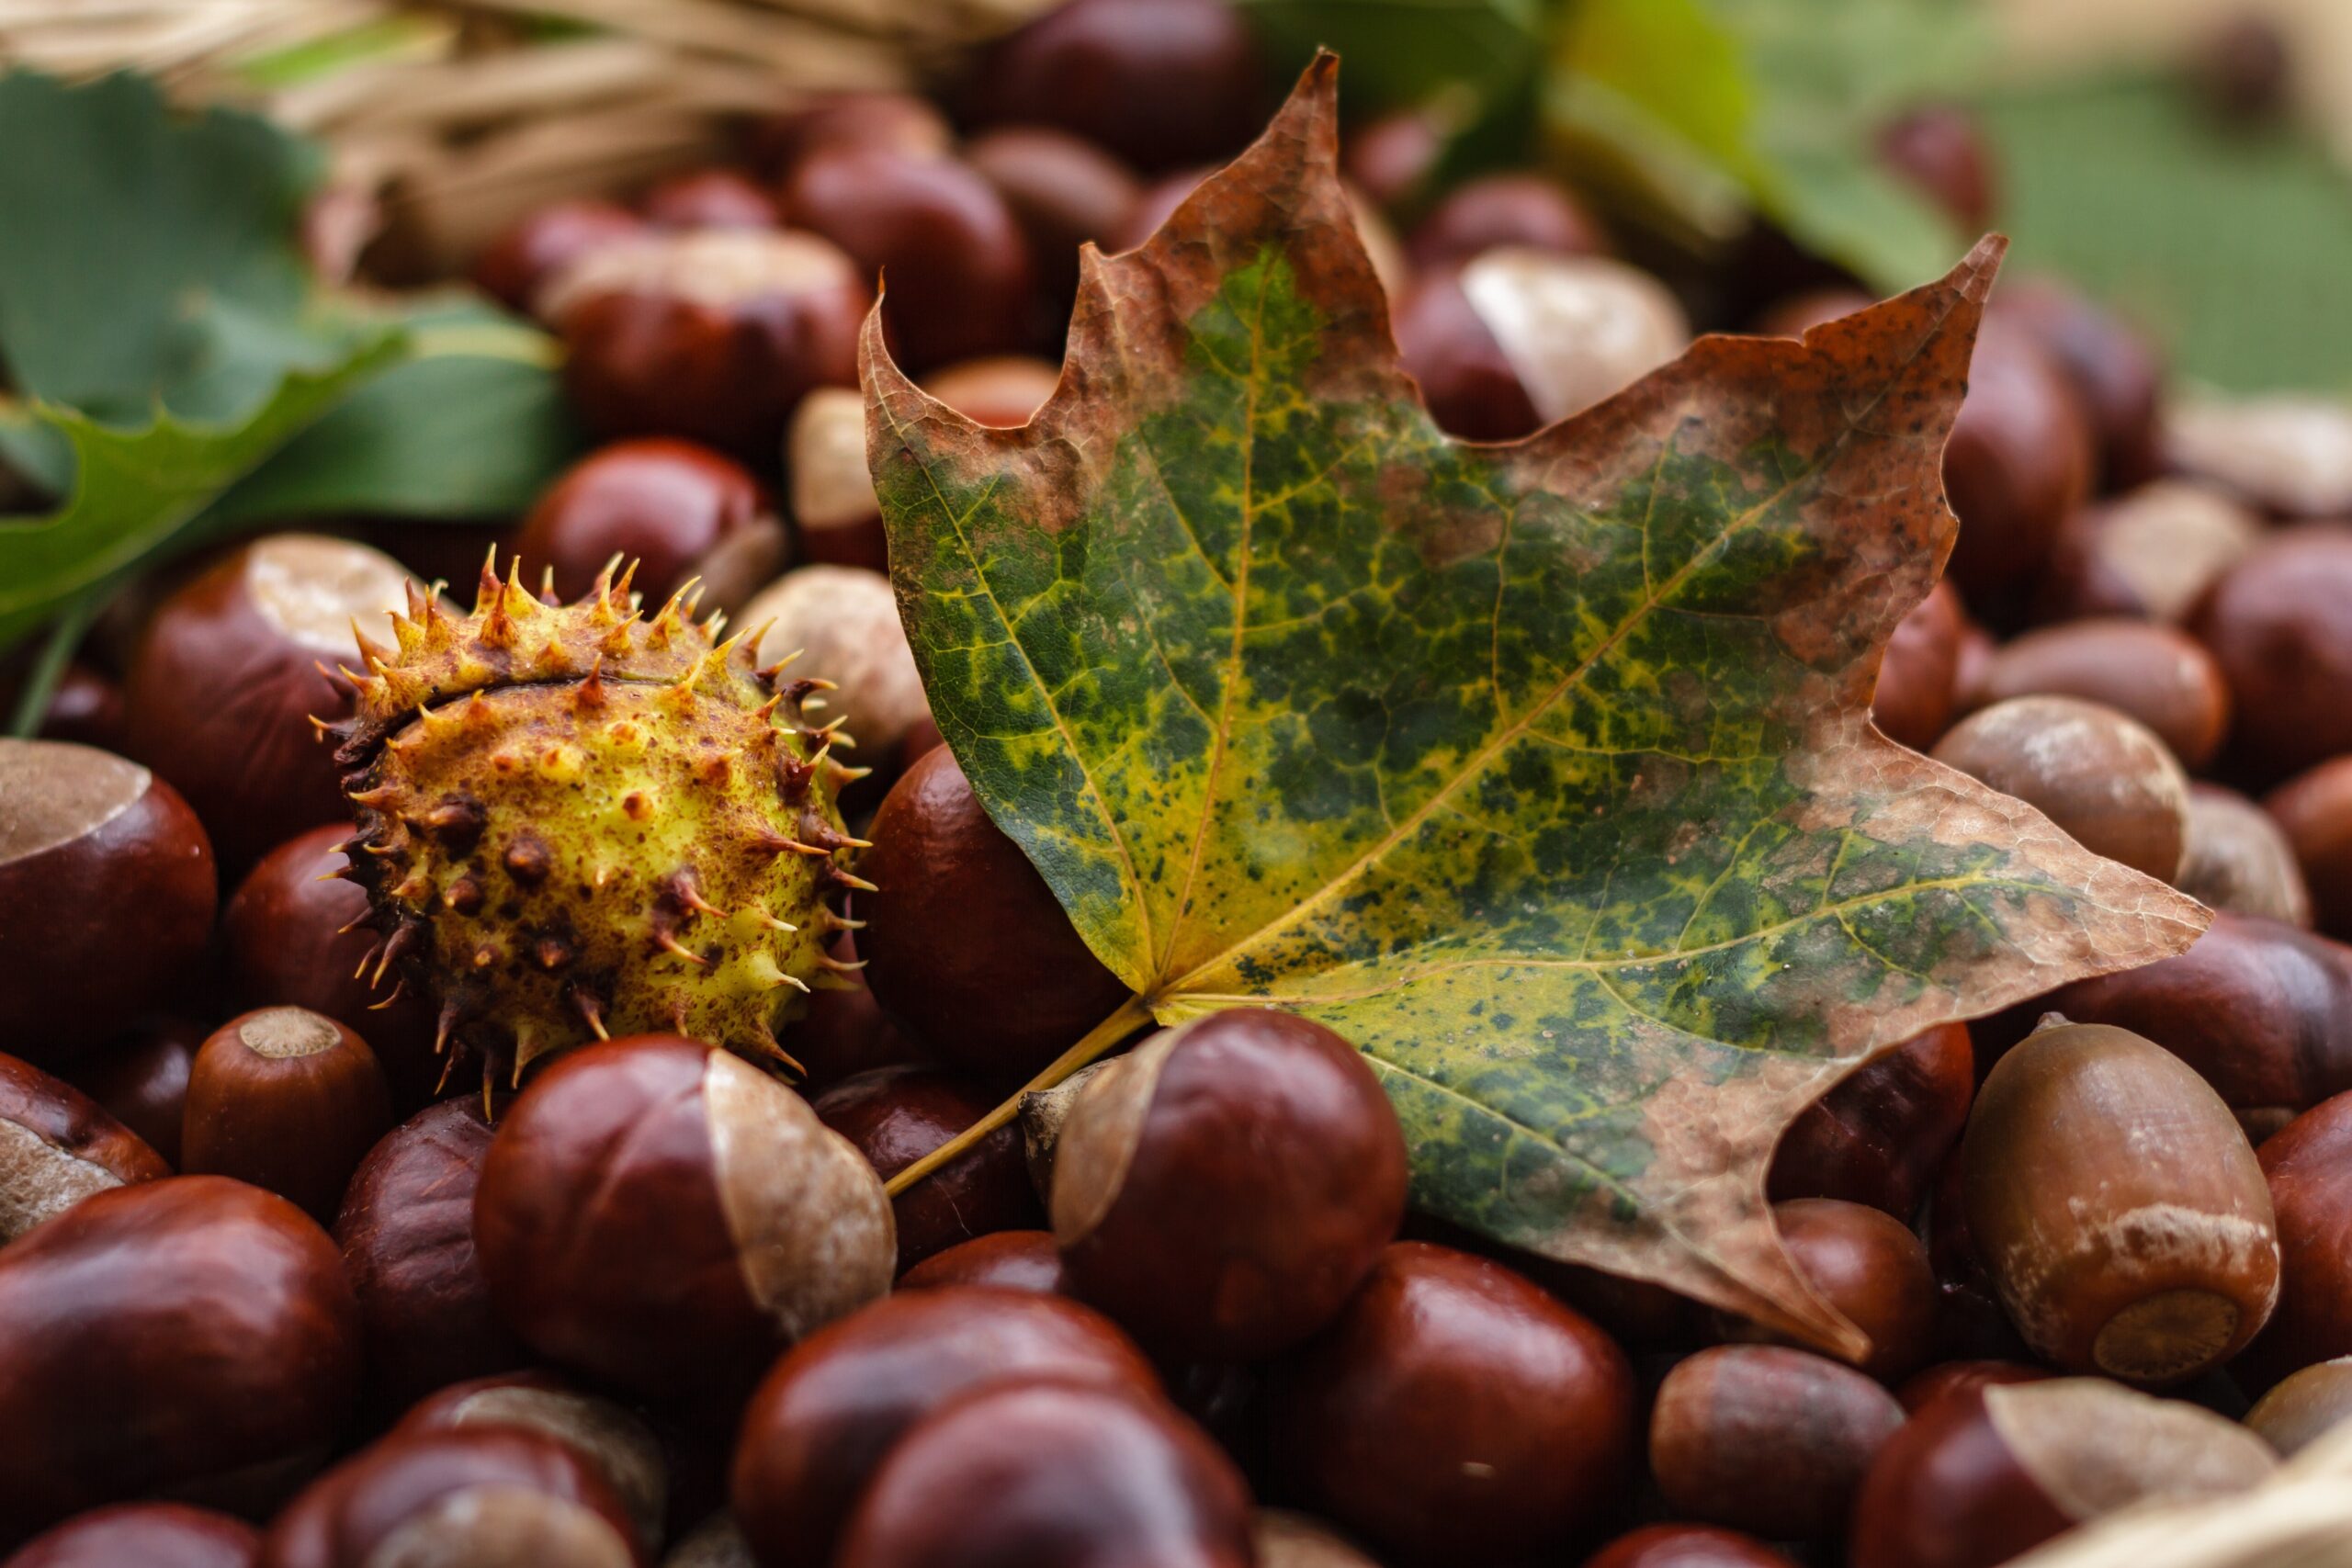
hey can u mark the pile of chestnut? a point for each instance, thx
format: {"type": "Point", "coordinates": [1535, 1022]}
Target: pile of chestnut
{"type": "Point", "coordinates": [277, 1287]}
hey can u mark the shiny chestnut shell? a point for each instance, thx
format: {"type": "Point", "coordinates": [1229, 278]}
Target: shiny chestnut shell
{"type": "Point", "coordinates": [1052, 1474]}
{"type": "Point", "coordinates": [287, 1100]}
{"type": "Point", "coordinates": [2103, 777]}
{"type": "Point", "coordinates": [106, 895]}
{"type": "Point", "coordinates": [1879, 1136]}
{"type": "Point", "coordinates": [2279, 624]}
{"type": "Point", "coordinates": [835, 1405]}
{"type": "Point", "coordinates": [897, 1115]}
{"type": "Point", "coordinates": [1453, 1412]}
{"type": "Point", "coordinates": [1171, 1220]}
{"type": "Point", "coordinates": [1011, 1260]}
{"type": "Point", "coordinates": [1767, 1440]}
{"type": "Point", "coordinates": [960, 922]}
{"type": "Point", "coordinates": [2158, 675]}
{"type": "Point", "coordinates": [193, 1335]}
{"type": "Point", "coordinates": [406, 1230]}
{"type": "Point", "coordinates": [1871, 1268]}
{"type": "Point", "coordinates": [674, 508]}
{"type": "Point", "coordinates": [58, 1147]}
{"type": "Point", "coordinates": [2308, 1168]}
{"type": "Point", "coordinates": [143, 1535]}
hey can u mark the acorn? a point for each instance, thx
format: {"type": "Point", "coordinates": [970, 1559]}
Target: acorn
{"type": "Point", "coordinates": [577, 822]}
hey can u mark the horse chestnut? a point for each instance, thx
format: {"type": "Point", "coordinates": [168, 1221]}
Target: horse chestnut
{"type": "Point", "coordinates": [2308, 1168]}
{"type": "Point", "coordinates": [514, 266]}
{"type": "Point", "coordinates": [1453, 1412]}
{"type": "Point", "coordinates": [2018, 463]}
{"type": "Point", "coordinates": [2314, 809]}
{"type": "Point", "coordinates": [1170, 1220]}
{"type": "Point", "coordinates": [1527, 211]}
{"type": "Point", "coordinates": [1871, 1268]}
{"type": "Point", "coordinates": [1011, 1260]}
{"type": "Point", "coordinates": [2279, 624]}
{"type": "Point", "coordinates": [57, 1148]}
{"type": "Point", "coordinates": [2239, 859]}
{"type": "Point", "coordinates": [2102, 777]}
{"type": "Point", "coordinates": [2150, 554]}
{"type": "Point", "coordinates": [897, 1115]}
{"type": "Point", "coordinates": [836, 1404]}
{"type": "Point", "coordinates": [1879, 1136]}
{"type": "Point", "coordinates": [1918, 679]}
{"type": "Point", "coordinates": [407, 1235]}
{"type": "Point", "coordinates": [1051, 1474]}
{"type": "Point", "coordinates": [106, 894]}
{"type": "Point", "coordinates": [140, 1080]}
{"type": "Point", "coordinates": [959, 921]}
{"type": "Point", "coordinates": [287, 1100]}
{"type": "Point", "coordinates": [677, 509]}
{"type": "Point", "coordinates": [143, 1535]}
{"type": "Point", "coordinates": [621, 1449]}
{"type": "Point", "coordinates": [2304, 1406]}
{"type": "Point", "coordinates": [1687, 1546]}
{"type": "Point", "coordinates": [1767, 1440]}
{"type": "Point", "coordinates": [2153, 673]}
{"type": "Point", "coordinates": [666, 1217]}
{"type": "Point", "coordinates": [844, 622]}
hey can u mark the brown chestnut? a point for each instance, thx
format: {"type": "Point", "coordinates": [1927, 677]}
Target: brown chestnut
{"type": "Point", "coordinates": [1471, 387]}
{"type": "Point", "coordinates": [2156, 674]}
{"type": "Point", "coordinates": [192, 1336]}
{"type": "Point", "coordinates": [1525, 210]}
{"type": "Point", "coordinates": [2018, 462]}
{"type": "Point", "coordinates": [2239, 859]}
{"type": "Point", "coordinates": [143, 1535]}
{"type": "Point", "coordinates": [1768, 1439]}
{"type": "Point", "coordinates": [666, 1217]}
{"type": "Point", "coordinates": [2117, 1208]}
{"type": "Point", "coordinates": [1871, 1268]}
{"type": "Point", "coordinates": [901, 120]}
{"type": "Point", "coordinates": [712, 335]}
{"type": "Point", "coordinates": [2279, 624]}
{"type": "Point", "coordinates": [713, 197]}
{"type": "Point", "coordinates": [106, 894]}
{"type": "Point", "coordinates": [714, 1543]}
{"type": "Point", "coordinates": [2309, 1167]}
{"type": "Point", "coordinates": [57, 1148]}
{"type": "Point", "coordinates": [838, 515]}
{"type": "Point", "coordinates": [407, 1235]}
{"type": "Point", "coordinates": [1009, 1260]}
{"type": "Point", "coordinates": [1393, 157]}
{"type": "Point", "coordinates": [514, 266]}
{"type": "Point", "coordinates": [1988, 1474]}
{"type": "Point", "coordinates": [2315, 810]}
{"type": "Point", "coordinates": [85, 708]}
{"type": "Point", "coordinates": [287, 1100]}
{"type": "Point", "coordinates": [1931, 1383]}
{"type": "Point", "coordinates": [2263, 1012]}
{"type": "Point", "coordinates": [834, 1407]}
{"type": "Point", "coordinates": [1062, 191]}
{"type": "Point", "coordinates": [227, 677]}
{"type": "Point", "coordinates": [1170, 1219]}
{"type": "Point", "coordinates": [1879, 1136]}
{"type": "Point", "coordinates": [955, 261]}
{"type": "Point", "coordinates": [1687, 1546]}
{"type": "Point", "coordinates": [2102, 777]}
{"type": "Point", "coordinates": [1453, 1412]}
{"type": "Point", "coordinates": [1971, 1322]}
{"type": "Point", "coordinates": [140, 1080]}
{"type": "Point", "coordinates": [1940, 149]}
{"type": "Point", "coordinates": [1160, 83]}
{"type": "Point", "coordinates": [844, 622]}
{"type": "Point", "coordinates": [484, 1498]}
{"type": "Point", "coordinates": [895, 1116]}
{"type": "Point", "coordinates": [623, 1450]}
{"type": "Point", "coordinates": [295, 941]}
{"type": "Point", "coordinates": [1798, 314]}
{"type": "Point", "coordinates": [676, 509]}
{"type": "Point", "coordinates": [2151, 553]}
{"type": "Point", "coordinates": [959, 921]}
{"type": "Point", "coordinates": [2287, 456]}
{"type": "Point", "coordinates": [1919, 677]}
{"type": "Point", "coordinates": [2113, 369]}
{"type": "Point", "coordinates": [843, 1031]}
{"type": "Point", "coordinates": [2304, 1406]}
{"type": "Point", "coordinates": [1002, 392]}
{"type": "Point", "coordinates": [1052, 1474]}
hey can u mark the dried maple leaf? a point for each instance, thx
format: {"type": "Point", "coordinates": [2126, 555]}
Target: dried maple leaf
{"type": "Point", "coordinates": [1542, 772]}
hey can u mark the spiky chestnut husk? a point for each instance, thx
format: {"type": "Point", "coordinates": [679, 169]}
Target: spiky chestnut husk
{"type": "Point", "coordinates": [575, 822]}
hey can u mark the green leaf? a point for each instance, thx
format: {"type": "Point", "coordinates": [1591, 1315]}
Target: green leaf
{"type": "Point", "coordinates": [475, 425]}
{"type": "Point", "coordinates": [133, 491]}
{"type": "Point", "coordinates": [1700, 112]}
{"type": "Point", "coordinates": [1475, 64]}
{"type": "Point", "coordinates": [1542, 772]}
{"type": "Point", "coordinates": [2230, 244]}
{"type": "Point", "coordinates": [151, 258]}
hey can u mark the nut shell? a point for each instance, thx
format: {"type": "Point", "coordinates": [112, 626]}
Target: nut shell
{"type": "Point", "coordinates": [664, 1216]}
{"type": "Point", "coordinates": [58, 1147]}
{"type": "Point", "coordinates": [2103, 777]}
{"type": "Point", "coordinates": [895, 1116]}
{"type": "Point", "coordinates": [143, 1535]}
{"type": "Point", "coordinates": [2309, 1167]}
{"type": "Point", "coordinates": [1052, 1476]}
{"type": "Point", "coordinates": [106, 895]}
{"type": "Point", "coordinates": [1767, 1440]}
{"type": "Point", "coordinates": [1453, 1412]}
{"type": "Point", "coordinates": [192, 1336]}
{"type": "Point", "coordinates": [2156, 674]}
{"type": "Point", "coordinates": [2147, 1269]}
{"type": "Point", "coordinates": [287, 1100]}
{"type": "Point", "coordinates": [1169, 1219]}
{"type": "Point", "coordinates": [833, 1407]}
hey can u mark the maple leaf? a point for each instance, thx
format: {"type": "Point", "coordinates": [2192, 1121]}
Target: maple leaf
{"type": "Point", "coordinates": [1542, 772]}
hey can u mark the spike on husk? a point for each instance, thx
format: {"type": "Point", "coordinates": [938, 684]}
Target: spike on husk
{"type": "Point", "coordinates": [575, 822]}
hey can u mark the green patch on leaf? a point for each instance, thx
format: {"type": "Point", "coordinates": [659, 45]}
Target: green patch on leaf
{"type": "Point", "coordinates": [1543, 770]}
